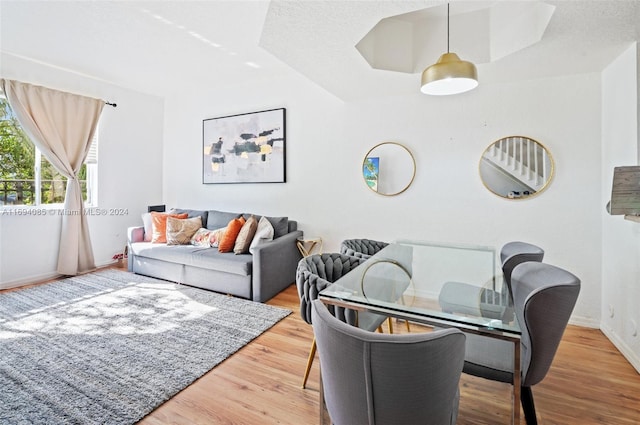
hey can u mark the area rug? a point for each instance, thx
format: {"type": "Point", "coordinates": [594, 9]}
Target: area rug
{"type": "Point", "coordinates": [108, 347]}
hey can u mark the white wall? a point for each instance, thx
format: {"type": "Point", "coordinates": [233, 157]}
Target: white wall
{"type": "Point", "coordinates": [129, 175]}
{"type": "Point", "coordinates": [620, 238]}
{"type": "Point", "coordinates": [326, 142]}
{"type": "Point", "coordinates": [328, 139]}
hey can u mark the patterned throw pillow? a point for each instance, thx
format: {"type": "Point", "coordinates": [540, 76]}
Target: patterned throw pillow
{"type": "Point", "coordinates": [180, 231]}
{"type": "Point", "coordinates": [228, 241]}
{"type": "Point", "coordinates": [206, 238]}
{"type": "Point", "coordinates": [245, 236]}
{"type": "Point", "coordinates": [159, 224]}
{"type": "Point", "coordinates": [201, 237]}
{"type": "Point", "coordinates": [216, 237]}
{"type": "Point", "coordinates": [264, 233]}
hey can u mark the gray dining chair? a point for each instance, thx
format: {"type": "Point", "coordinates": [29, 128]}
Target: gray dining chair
{"type": "Point", "coordinates": [366, 248]}
{"type": "Point", "coordinates": [379, 379]}
{"type": "Point", "coordinates": [514, 253]}
{"type": "Point", "coordinates": [464, 298]}
{"type": "Point", "coordinates": [316, 272]}
{"type": "Point", "coordinates": [544, 297]}
{"type": "Point", "coordinates": [362, 248]}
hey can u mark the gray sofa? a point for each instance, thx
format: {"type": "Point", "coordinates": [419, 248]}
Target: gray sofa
{"type": "Point", "coordinates": [258, 276]}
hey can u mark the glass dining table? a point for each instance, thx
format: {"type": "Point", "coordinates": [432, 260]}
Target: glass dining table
{"type": "Point", "coordinates": [434, 284]}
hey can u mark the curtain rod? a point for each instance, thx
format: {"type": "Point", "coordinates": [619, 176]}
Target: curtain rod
{"type": "Point", "coordinates": [110, 104]}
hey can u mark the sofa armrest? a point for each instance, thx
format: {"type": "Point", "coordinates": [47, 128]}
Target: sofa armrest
{"type": "Point", "coordinates": [135, 234]}
{"type": "Point", "coordinates": [274, 266]}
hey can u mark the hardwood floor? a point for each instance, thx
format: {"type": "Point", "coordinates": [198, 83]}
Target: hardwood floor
{"type": "Point", "coordinates": [589, 383]}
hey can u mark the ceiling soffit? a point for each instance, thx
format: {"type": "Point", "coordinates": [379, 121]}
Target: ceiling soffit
{"type": "Point", "coordinates": [481, 32]}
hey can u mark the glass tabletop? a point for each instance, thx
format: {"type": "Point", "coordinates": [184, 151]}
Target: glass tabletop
{"type": "Point", "coordinates": [436, 283]}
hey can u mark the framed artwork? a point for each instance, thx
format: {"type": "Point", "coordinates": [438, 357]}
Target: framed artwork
{"type": "Point", "coordinates": [371, 171]}
{"type": "Point", "coordinates": [244, 148]}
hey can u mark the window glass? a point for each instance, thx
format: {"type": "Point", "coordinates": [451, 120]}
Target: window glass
{"type": "Point", "coordinates": [27, 177]}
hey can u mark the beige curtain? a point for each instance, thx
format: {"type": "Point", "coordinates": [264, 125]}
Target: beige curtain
{"type": "Point", "coordinates": [61, 125]}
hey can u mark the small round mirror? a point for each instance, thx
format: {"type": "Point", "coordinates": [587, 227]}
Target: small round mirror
{"type": "Point", "coordinates": [388, 168]}
{"type": "Point", "coordinates": [516, 167]}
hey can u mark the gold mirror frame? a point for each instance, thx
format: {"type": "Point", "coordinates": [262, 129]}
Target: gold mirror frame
{"type": "Point", "coordinates": [383, 261]}
{"type": "Point", "coordinates": [366, 165]}
{"type": "Point", "coordinates": [516, 167]}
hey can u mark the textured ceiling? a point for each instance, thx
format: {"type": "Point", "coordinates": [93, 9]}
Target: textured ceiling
{"type": "Point", "coordinates": [582, 36]}
{"type": "Point", "coordinates": [161, 47]}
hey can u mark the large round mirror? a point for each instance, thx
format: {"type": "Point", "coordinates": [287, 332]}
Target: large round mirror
{"type": "Point", "coordinates": [388, 168]}
{"type": "Point", "coordinates": [516, 167]}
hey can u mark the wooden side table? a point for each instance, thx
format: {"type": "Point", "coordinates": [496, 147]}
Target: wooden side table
{"type": "Point", "coordinates": [308, 245]}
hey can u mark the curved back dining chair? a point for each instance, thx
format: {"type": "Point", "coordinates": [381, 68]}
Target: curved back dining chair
{"type": "Point", "coordinates": [316, 272]}
{"type": "Point", "coordinates": [514, 253]}
{"type": "Point", "coordinates": [362, 248]}
{"type": "Point", "coordinates": [379, 379]}
{"type": "Point", "coordinates": [544, 298]}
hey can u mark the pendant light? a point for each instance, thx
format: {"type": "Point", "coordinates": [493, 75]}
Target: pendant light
{"type": "Point", "coordinates": [449, 75]}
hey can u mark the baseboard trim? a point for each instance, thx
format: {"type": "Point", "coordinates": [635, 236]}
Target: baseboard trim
{"type": "Point", "coordinates": [40, 278]}
{"type": "Point", "coordinates": [624, 349]}
{"type": "Point", "coordinates": [584, 322]}
{"type": "Point", "coordinates": [30, 280]}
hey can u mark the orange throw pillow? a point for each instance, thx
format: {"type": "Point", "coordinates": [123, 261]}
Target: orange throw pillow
{"type": "Point", "coordinates": [228, 241]}
{"type": "Point", "coordinates": [159, 225]}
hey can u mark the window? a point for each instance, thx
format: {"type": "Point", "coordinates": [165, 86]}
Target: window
{"type": "Point", "coordinates": [27, 177]}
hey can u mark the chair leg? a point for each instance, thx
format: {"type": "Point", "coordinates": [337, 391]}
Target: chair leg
{"type": "Point", "coordinates": [390, 321]}
{"type": "Point", "coordinates": [529, 408]}
{"type": "Point", "coordinates": [312, 354]}
{"type": "Point", "coordinates": [406, 321]}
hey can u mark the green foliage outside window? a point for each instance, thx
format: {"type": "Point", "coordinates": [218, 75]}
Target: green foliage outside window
{"type": "Point", "coordinates": [17, 167]}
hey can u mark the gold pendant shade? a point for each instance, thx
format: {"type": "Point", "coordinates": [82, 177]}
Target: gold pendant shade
{"type": "Point", "coordinates": [449, 75]}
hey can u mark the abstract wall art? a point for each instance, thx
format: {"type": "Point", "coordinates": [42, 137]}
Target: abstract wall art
{"type": "Point", "coordinates": [244, 148]}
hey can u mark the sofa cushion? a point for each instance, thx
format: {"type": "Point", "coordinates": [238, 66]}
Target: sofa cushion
{"type": "Point", "coordinates": [246, 236]}
{"type": "Point", "coordinates": [159, 222]}
{"type": "Point", "coordinates": [264, 233]}
{"type": "Point", "coordinates": [189, 255]}
{"type": "Point", "coordinates": [280, 226]}
{"type": "Point", "coordinates": [147, 222]}
{"type": "Point", "coordinates": [191, 214]}
{"type": "Point", "coordinates": [228, 240]}
{"type": "Point", "coordinates": [201, 238]}
{"type": "Point", "coordinates": [223, 261]}
{"type": "Point", "coordinates": [180, 231]}
{"type": "Point", "coordinates": [207, 238]}
{"type": "Point", "coordinates": [216, 236]}
{"type": "Point", "coordinates": [219, 219]}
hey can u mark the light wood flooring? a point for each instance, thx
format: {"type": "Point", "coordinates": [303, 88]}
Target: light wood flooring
{"type": "Point", "coordinates": [590, 382]}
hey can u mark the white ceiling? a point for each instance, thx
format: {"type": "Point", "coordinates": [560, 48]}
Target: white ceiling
{"type": "Point", "coordinates": [161, 47]}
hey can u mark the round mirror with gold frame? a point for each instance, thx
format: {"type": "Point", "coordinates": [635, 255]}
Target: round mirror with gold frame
{"type": "Point", "coordinates": [388, 168]}
{"type": "Point", "coordinates": [516, 167]}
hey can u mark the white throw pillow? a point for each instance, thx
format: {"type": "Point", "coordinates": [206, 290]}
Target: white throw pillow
{"type": "Point", "coordinates": [264, 233]}
{"type": "Point", "coordinates": [147, 222]}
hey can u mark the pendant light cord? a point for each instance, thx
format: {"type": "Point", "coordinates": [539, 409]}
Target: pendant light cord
{"type": "Point", "coordinates": [447, 27]}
